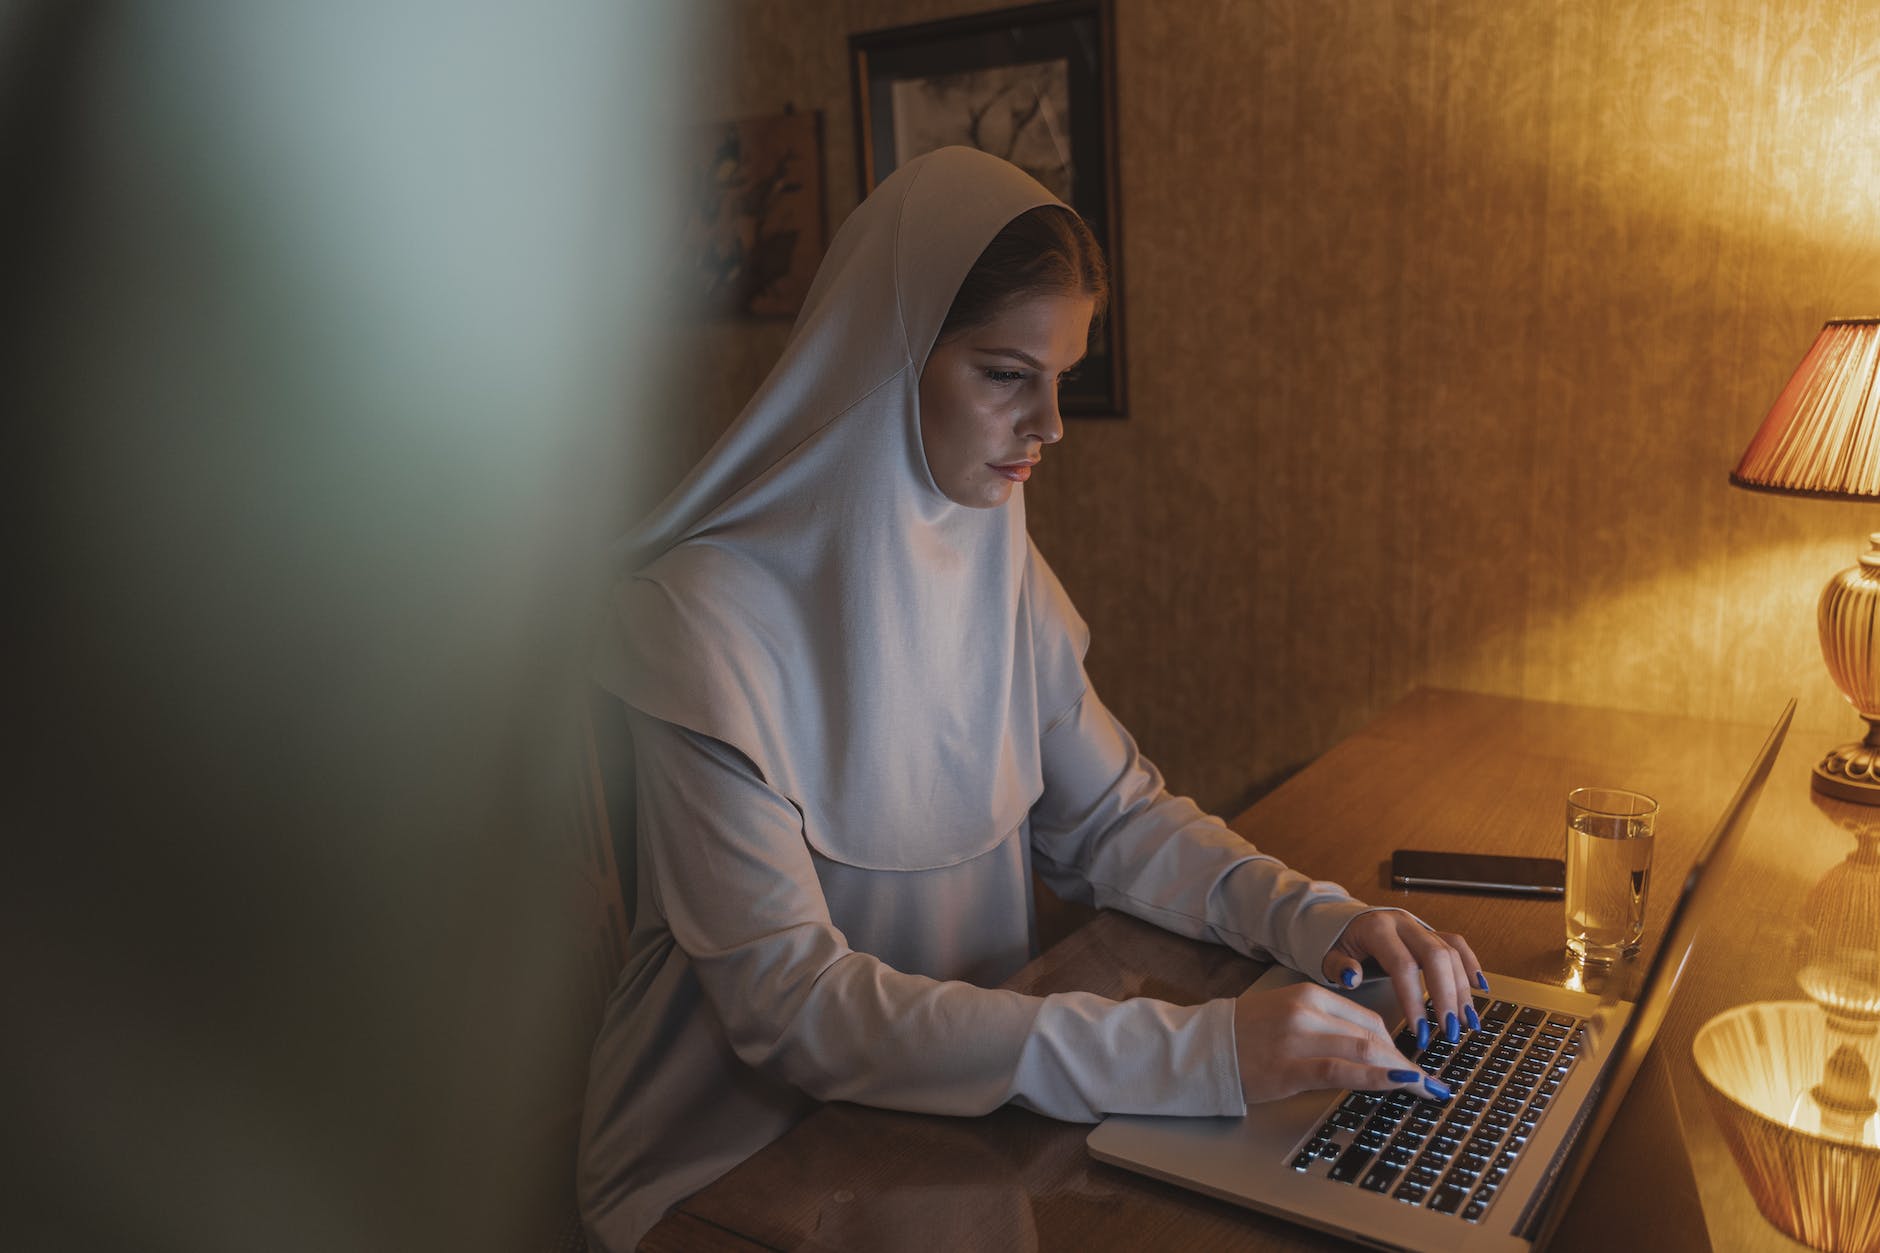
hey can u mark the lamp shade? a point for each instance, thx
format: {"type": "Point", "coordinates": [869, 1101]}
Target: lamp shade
{"type": "Point", "coordinates": [1822, 436]}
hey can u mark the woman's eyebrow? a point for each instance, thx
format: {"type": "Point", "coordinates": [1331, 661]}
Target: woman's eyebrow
{"type": "Point", "coordinates": [1019, 354]}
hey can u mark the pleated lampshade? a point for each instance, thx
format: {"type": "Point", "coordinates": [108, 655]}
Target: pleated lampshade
{"type": "Point", "coordinates": [1822, 436]}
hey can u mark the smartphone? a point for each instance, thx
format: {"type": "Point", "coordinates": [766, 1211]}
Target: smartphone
{"type": "Point", "coordinates": [1478, 872]}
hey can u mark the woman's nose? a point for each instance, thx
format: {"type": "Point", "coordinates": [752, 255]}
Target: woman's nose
{"type": "Point", "coordinates": [1044, 423]}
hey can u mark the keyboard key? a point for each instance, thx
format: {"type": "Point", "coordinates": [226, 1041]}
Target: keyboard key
{"type": "Point", "coordinates": [1448, 1200]}
{"type": "Point", "coordinates": [1520, 1088]}
{"type": "Point", "coordinates": [1424, 1176]}
{"type": "Point", "coordinates": [1530, 1017]}
{"type": "Point", "coordinates": [1349, 1165]}
{"type": "Point", "coordinates": [1561, 1021]}
{"type": "Point", "coordinates": [1411, 1193]}
{"type": "Point", "coordinates": [1373, 1140]}
{"type": "Point", "coordinates": [1471, 1104]}
{"type": "Point", "coordinates": [1328, 1150]}
{"type": "Point", "coordinates": [1497, 1119]}
{"type": "Point", "coordinates": [1380, 1179]}
{"type": "Point", "coordinates": [1473, 1211]}
{"type": "Point", "coordinates": [1304, 1161]}
{"type": "Point", "coordinates": [1444, 1146]}
{"type": "Point", "coordinates": [1500, 1009]}
{"type": "Point", "coordinates": [1406, 1042]}
{"type": "Point", "coordinates": [1359, 1103]}
{"type": "Point", "coordinates": [1541, 1101]}
{"type": "Point", "coordinates": [1398, 1156]}
{"type": "Point", "coordinates": [1482, 1144]}
{"type": "Point", "coordinates": [1345, 1119]}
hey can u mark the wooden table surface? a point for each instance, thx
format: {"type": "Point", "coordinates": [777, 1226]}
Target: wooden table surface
{"type": "Point", "coordinates": [1439, 770]}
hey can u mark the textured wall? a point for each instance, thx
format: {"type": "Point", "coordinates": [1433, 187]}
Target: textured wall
{"type": "Point", "coordinates": [1447, 321]}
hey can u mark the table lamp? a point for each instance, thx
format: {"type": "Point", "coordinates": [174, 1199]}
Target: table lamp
{"type": "Point", "coordinates": [1822, 438]}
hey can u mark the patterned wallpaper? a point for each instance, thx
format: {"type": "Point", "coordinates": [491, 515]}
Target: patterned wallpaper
{"type": "Point", "coordinates": [1447, 321]}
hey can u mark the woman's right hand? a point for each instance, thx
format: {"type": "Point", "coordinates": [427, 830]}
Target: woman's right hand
{"type": "Point", "coordinates": [1304, 1037]}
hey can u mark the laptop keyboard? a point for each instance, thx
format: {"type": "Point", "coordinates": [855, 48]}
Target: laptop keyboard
{"type": "Point", "coordinates": [1451, 1156]}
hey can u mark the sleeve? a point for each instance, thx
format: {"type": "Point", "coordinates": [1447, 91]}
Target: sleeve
{"type": "Point", "coordinates": [1107, 833]}
{"type": "Point", "coordinates": [733, 879]}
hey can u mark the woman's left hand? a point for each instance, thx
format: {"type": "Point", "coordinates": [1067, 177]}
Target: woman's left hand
{"type": "Point", "coordinates": [1405, 948]}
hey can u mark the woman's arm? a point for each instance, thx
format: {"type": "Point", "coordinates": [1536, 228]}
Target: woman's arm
{"type": "Point", "coordinates": [1107, 832]}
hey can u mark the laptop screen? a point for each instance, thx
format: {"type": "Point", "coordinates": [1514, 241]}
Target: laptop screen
{"type": "Point", "coordinates": [1634, 1039]}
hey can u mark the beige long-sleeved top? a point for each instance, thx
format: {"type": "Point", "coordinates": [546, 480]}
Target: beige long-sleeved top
{"type": "Point", "coordinates": [766, 976]}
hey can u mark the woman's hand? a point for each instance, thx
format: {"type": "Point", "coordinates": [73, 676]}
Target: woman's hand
{"type": "Point", "coordinates": [1302, 1037]}
{"type": "Point", "coordinates": [1405, 948]}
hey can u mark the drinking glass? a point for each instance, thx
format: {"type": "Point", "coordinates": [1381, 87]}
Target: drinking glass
{"type": "Point", "coordinates": [1609, 872]}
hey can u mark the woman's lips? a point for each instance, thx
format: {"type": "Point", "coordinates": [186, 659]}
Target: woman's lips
{"type": "Point", "coordinates": [1017, 471]}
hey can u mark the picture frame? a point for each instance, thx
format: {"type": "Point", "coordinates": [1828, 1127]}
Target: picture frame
{"type": "Point", "coordinates": [753, 234]}
{"type": "Point", "coordinates": [1034, 85]}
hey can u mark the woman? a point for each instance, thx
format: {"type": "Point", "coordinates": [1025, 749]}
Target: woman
{"type": "Point", "coordinates": [861, 723]}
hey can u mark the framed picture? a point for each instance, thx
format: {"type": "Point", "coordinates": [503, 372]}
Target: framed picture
{"type": "Point", "coordinates": [754, 230]}
{"type": "Point", "coordinates": [1034, 85]}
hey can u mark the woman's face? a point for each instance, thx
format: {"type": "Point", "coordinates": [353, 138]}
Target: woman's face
{"type": "Point", "coordinates": [988, 397]}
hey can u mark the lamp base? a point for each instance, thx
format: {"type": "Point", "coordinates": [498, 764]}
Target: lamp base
{"type": "Point", "coordinates": [1852, 771]}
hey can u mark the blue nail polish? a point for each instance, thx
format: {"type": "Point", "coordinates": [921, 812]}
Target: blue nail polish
{"type": "Point", "coordinates": [1436, 1088]}
{"type": "Point", "coordinates": [1452, 1030]}
{"type": "Point", "coordinates": [1475, 1019]}
{"type": "Point", "coordinates": [1481, 981]}
{"type": "Point", "coordinates": [1349, 978]}
{"type": "Point", "coordinates": [1423, 1034]}
{"type": "Point", "coordinates": [1405, 1076]}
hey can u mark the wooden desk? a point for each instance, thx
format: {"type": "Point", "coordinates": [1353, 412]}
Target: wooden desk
{"type": "Point", "coordinates": [1438, 770]}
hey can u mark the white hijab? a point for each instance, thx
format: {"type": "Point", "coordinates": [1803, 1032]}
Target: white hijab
{"type": "Point", "coordinates": [884, 657]}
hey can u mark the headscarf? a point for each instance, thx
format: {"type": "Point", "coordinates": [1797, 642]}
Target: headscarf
{"type": "Point", "coordinates": [884, 657]}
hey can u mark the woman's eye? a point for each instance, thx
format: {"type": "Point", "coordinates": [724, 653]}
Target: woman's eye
{"type": "Point", "coordinates": [1006, 376]}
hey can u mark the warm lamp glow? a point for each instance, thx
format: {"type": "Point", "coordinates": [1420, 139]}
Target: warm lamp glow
{"type": "Point", "coordinates": [1822, 436]}
{"type": "Point", "coordinates": [1811, 1178]}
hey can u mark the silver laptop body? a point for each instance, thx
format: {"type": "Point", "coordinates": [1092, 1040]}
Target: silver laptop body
{"type": "Point", "coordinates": [1260, 1160]}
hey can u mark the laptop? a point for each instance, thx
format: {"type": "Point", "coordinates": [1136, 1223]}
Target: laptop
{"type": "Point", "coordinates": [1493, 1167]}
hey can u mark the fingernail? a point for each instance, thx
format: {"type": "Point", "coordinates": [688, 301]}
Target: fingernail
{"type": "Point", "coordinates": [1349, 978]}
{"type": "Point", "coordinates": [1423, 1034]}
{"type": "Point", "coordinates": [1481, 981]}
{"type": "Point", "coordinates": [1475, 1019]}
{"type": "Point", "coordinates": [1452, 1030]}
{"type": "Point", "coordinates": [1405, 1076]}
{"type": "Point", "coordinates": [1436, 1088]}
